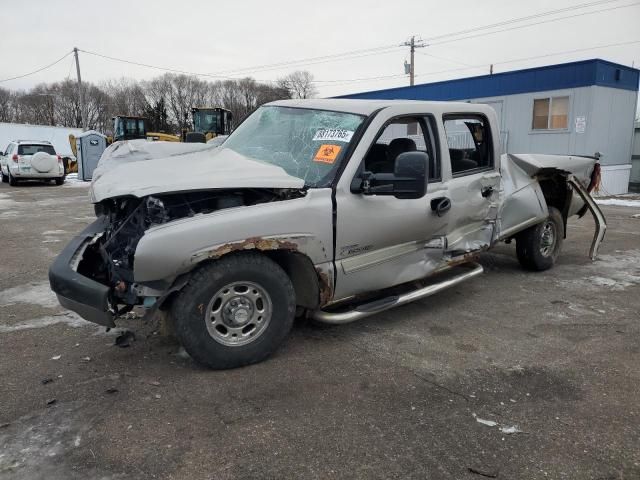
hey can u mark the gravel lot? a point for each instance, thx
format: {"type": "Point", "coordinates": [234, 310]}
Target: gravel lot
{"type": "Point", "coordinates": [435, 389]}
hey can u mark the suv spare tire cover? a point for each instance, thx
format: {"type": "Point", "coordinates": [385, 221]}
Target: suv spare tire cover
{"type": "Point", "coordinates": [43, 162]}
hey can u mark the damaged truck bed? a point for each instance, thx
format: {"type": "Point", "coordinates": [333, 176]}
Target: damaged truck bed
{"type": "Point", "coordinates": [333, 209]}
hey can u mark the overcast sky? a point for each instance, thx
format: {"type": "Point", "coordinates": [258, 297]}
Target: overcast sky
{"type": "Point", "coordinates": [219, 37]}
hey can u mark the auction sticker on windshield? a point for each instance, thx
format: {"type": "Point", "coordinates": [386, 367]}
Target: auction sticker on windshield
{"type": "Point", "coordinates": [333, 135]}
{"type": "Point", "coordinates": [327, 153]}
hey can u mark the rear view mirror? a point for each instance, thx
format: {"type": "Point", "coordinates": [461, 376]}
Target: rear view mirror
{"type": "Point", "coordinates": [408, 180]}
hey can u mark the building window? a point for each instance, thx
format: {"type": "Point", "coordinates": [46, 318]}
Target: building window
{"type": "Point", "coordinates": [551, 113]}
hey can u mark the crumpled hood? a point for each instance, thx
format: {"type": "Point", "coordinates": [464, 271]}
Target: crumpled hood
{"type": "Point", "coordinates": [146, 168]}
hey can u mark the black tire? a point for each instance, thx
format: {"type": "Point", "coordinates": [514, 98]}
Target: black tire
{"type": "Point", "coordinates": [191, 310]}
{"type": "Point", "coordinates": [5, 178]}
{"type": "Point", "coordinates": [538, 247]}
{"type": "Point", "coordinates": [12, 180]}
{"type": "Point", "coordinates": [59, 180]}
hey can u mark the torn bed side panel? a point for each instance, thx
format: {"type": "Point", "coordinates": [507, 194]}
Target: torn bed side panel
{"type": "Point", "coordinates": [523, 202]}
{"type": "Point", "coordinates": [534, 164]}
{"type": "Point", "coordinates": [524, 178]}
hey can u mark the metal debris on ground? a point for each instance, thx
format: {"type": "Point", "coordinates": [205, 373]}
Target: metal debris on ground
{"type": "Point", "coordinates": [111, 390]}
{"type": "Point", "coordinates": [86, 359]}
{"type": "Point", "coordinates": [125, 338]}
{"type": "Point", "coordinates": [510, 430]}
{"type": "Point", "coordinates": [491, 423]}
{"type": "Point", "coordinates": [488, 423]}
{"type": "Point", "coordinates": [56, 357]}
{"type": "Point", "coordinates": [52, 401]}
{"type": "Point", "coordinates": [44, 381]}
{"type": "Point", "coordinates": [483, 472]}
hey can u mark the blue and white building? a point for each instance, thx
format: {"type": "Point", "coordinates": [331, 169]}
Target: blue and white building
{"type": "Point", "coordinates": [577, 108]}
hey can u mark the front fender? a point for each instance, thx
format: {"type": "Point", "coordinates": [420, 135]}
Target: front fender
{"type": "Point", "coordinates": [301, 224]}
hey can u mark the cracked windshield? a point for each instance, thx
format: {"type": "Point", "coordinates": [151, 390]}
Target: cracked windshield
{"type": "Point", "coordinates": [308, 144]}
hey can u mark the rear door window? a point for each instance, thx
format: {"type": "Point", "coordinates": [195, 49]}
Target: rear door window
{"type": "Point", "coordinates": [26, 149]}
{"type": "Point", "coordinates": [469, 142]}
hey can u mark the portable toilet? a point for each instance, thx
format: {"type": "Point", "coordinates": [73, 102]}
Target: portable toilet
{"type": "Point", "coordinates": [89, 146]}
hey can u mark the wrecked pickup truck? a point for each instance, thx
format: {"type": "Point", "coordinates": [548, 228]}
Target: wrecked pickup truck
{"type": "Point", "coordinates": [331, 209]}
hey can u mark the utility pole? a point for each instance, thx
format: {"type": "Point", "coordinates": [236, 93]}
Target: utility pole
{"type": "Point", "coordinates": [80, 94]}
{"type": "Point", "coordinates": [412, 46]}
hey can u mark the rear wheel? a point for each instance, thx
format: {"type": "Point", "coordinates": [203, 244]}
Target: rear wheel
{"type": "Point", "coordinates": [234, 312]}
{"type": "Point", "coordinates": [538, 247]}
{"type": "Point", "coordinates": [59, 180]}
{"type": "Point", "coordinates": [12, 180]}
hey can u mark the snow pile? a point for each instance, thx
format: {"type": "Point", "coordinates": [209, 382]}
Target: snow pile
{"type": "Point", "coordinates": [31, 293]}
{"type": "Point", "coordinates": [72, 180]}
{"type": "Point", "coordinates": [621, 201]}
{"type": "Point", "coordinates": [70, 319]}
{"type": "Point", "coordinates": [615, 272]}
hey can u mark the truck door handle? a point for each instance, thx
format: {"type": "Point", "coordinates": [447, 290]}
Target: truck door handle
{"type": "Point", "coordinates": [440, 205]}
{"type": "Point", "coordinates": [486, 192]}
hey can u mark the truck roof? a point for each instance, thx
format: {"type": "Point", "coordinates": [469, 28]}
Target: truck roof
{"type": "Point", "coordinates": [367, 107]}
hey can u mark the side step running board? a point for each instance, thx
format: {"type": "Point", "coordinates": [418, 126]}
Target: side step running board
{"type": "Point", "coordinates": [377, 306]}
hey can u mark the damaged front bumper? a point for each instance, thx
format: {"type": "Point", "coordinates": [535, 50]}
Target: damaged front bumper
{"type": "Point", "coordinates": [76, 292]}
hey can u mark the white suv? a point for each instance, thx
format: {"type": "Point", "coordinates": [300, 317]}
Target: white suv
{"type": "Point", "coordinates": [31, 160]}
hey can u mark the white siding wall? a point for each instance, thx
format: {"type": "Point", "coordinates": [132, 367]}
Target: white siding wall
{"type": "Point", "coordinates": [609, 116]}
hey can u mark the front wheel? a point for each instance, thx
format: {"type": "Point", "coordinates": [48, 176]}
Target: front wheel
{"type": "Point", "coordinates": [538, 247]}
{"type": "Point", "coordinates": [5, 178]}
{"type": "Point", "coordinates": [235, 311]}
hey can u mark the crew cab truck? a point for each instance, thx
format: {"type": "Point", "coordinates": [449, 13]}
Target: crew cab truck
{"type": "Point", "coordinates": [333, 209]}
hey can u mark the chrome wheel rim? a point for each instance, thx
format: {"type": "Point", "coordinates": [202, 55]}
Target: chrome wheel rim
{"type": "Point", "coordinates": [238, 313]}
{"type": "Point", "coordinates": [548, 239]}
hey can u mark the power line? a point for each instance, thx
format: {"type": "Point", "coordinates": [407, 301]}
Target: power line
{"type": "Point", "coordinates": [185, 72]}
{"type": "Point", "coordinates": [503, 62]}
{"type": "Point", "coordinates": [519, 19]}
{"type": "Point", "coordinates": [533, 24]}
{"type": "Point", "coordinates": [446, 59]}
{"type": "Point", "coordinates": [166, 69]}
{"type": "Point", "coordinates": [444, 38]}
{"type": "Point", "coordinates": [38, 70]}
{"type": "Point", "coordinates": [383, 49]}
{"type": "Point", "coordinates": [314, 60]}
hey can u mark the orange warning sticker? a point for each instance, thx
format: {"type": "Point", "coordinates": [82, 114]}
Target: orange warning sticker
{"type": "Point", "coordinates": [327, 153]}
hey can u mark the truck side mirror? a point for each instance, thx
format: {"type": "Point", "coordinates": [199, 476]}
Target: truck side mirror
{"type": "Point", "coordinates": [408, 180]}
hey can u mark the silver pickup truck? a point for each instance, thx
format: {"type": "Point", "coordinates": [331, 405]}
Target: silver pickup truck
{"type": "Point", "coordinates": [332, 209]}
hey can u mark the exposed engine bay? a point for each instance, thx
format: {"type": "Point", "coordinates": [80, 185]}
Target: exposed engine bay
{"type": "Point", "coordinates": [109, 257]}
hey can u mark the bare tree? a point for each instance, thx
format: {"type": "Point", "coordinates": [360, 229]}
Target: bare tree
{"type": "Point", "coordinates": [299, 84]}
{"type": "Point", "coordinates": [6, 113]}
{"type": "Point", "coordinates": [166, 100]}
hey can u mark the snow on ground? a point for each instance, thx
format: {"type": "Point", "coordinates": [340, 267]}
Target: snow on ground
{"type": "Point", "coordinates": [614, 272]}
{"type": "Point", "coordinates": [5, 201]}
{"type": "Point", "coordinates": [30, 293]}
{"type": "Point", "coordinates": [72, 181]}
{"type": "Point", "coordinates": [69, 318]}
{"type": "Point", "coordinates": [628, 200]}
